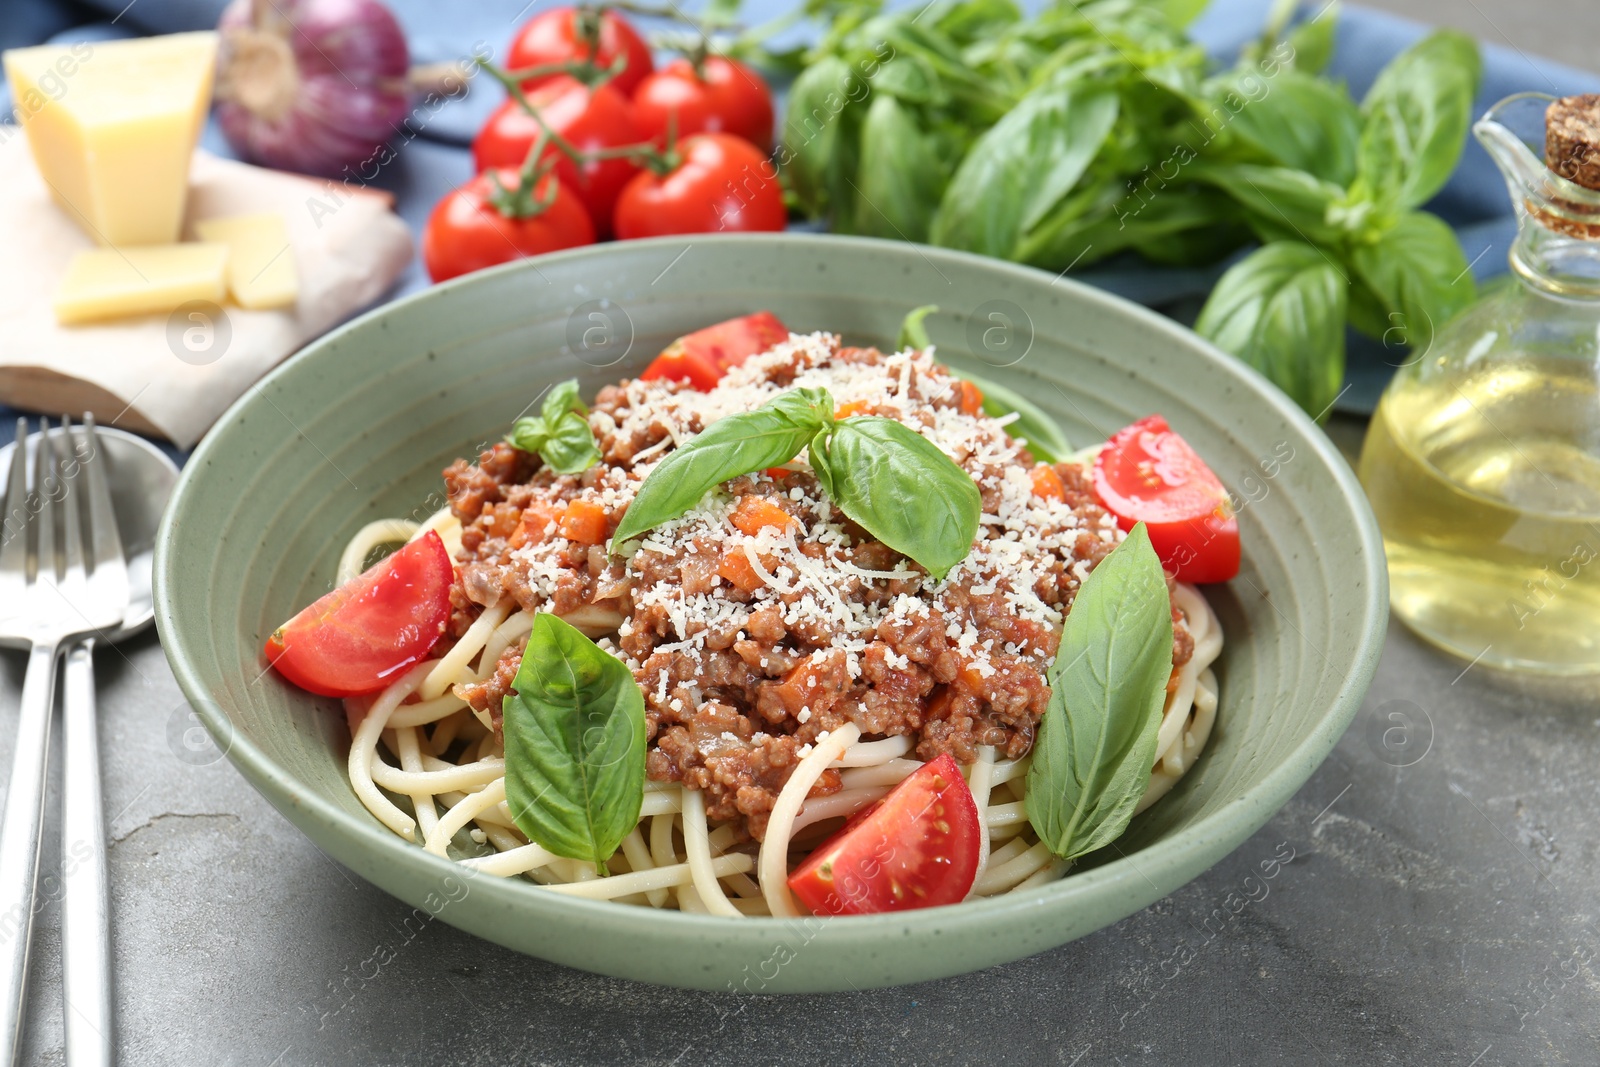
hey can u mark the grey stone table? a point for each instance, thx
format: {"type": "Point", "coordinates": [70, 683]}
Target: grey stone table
{"type": "Point", "coordinates": [1440, 907]}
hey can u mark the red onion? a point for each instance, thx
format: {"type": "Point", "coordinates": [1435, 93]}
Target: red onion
{"type": "Point", "coordinates": [311, 85]}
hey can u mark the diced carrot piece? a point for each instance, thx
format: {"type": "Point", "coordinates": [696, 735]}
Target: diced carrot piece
{"type": "Point", "coordinates": [585, 522]}
{"type": "Point", "coordinates": [536, 519]}
{"type": "Point", "coordinates": [735, 567]}
{"type": "Point", "coordinates": [972, 679]}
{"type": "Point", "coordinates": [971, 401]}
{"type": "Point", "coordinates": [755, 513]}
{"type": "Point", "coordinates": [1047, 483]}
{"type": "Point", "coordinates": [778, 474]}
{"type": "Point", "coordinates": [855, 407]}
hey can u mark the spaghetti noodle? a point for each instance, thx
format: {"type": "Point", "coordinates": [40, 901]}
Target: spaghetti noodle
{"type": "Point", "coordinates": [717, 619]}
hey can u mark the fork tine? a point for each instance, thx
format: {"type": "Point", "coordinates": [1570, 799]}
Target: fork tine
{"type": "Point", "coordinates": [105, 541]}
{"type": "Point", "coordinates": [14, 523]}
{"type": "Point", "coordinates": [49, 558]}
{"type": "Point", "coordinates": [71, 527]}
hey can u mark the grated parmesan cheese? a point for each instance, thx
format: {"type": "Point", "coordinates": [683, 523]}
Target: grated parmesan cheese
{"type": "Point", "coordinates": [1024, 543]}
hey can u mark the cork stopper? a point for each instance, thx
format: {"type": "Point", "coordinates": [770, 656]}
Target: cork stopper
{"type": "Point", "coordinates": [1572, 139]}
{"type": "Point", "coordinates": [1572, 150]}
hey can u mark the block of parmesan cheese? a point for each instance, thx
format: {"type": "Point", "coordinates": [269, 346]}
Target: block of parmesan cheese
{"type": "Point", "coordinates": [109, 283]}
{"type": "Point", "coordinates": [261, 270]}
{"type": "Point", "coordinates": [112, 126]}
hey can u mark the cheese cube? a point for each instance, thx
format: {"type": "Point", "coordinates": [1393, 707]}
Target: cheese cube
{"type": "Point", "coordinates": [261, 270]}
{"type": "Point", "coordinates": [107, 283]}
{"type": "Point", "coordinates": [113, 125]}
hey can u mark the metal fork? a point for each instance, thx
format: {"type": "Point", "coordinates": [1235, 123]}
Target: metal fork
{"type": "Point", "coordinates": [85, 906]}
{"type": "Point", "coordinates": [47, 597]}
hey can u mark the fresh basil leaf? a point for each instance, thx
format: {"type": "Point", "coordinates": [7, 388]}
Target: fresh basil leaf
{"type": "Point", "coordinates": [1420, 274]}
{"type": "Point", "coordinates": [910, 78]}
{"type": "Point", "coordinates": [772, 434]}
{"type": "Point", "coordinates": [1281, 309]}
{"type": "Point", "coordinates": [969, 21]}
{"type": "Point", "coordinates": [901, 488]}
{"type": "Point", "coordinates": [968, 89]}
{"type": "Point", "coordinates": [560, 434]}
{"type": "Point", "coordinates": [1313, 40]}
{"type": "Point", "coordinates": [1021, 167]}
{"type": "Point", "coordinates": [1279, 15]}
{"type": "Point", "coordinates": [814, 154]}
{"type": "Point", "coordinates": [562, 398]}
{"type": "Point", "coordinates": [529, 434]}
{"type": "Point", "coordinates": [1032, 426]}
{"type": "Point", "coordinates": [1185, 224]}
{"type": "Point", "coordinates": [570, 447]}
{"type": "Point", "coordinates": [901, 176]}
{"type": "Point", "coordinates": [1297, 120]}
{"type": "Point", "coordinates": [1416, 118]}
{"type": "Point", "coordinates": [1281, 203]}
{"type": "Point", "coordinates": [1366, 311]}
{"type": "Point", "coordinates": [1097, 740]}
{"type": "Point", "coordinates": [1181, 12]}
{"type": "Point", "coordinates": [913, 332]}
{"type": "Point", "coordinates": [575, 740]}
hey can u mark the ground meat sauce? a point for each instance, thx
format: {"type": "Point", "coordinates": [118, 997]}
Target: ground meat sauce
{"type": "Point", "coordinates": [751, 647]}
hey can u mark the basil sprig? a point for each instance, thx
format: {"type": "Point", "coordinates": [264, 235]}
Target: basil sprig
{"type": "Point", "coordinates": [1097, 740]}
{"type": "Point", "coordinates": [575, 740]}
{"type": "Point", "coordinates": [1059, 135]}
{"type": "Point", "coordinates": [1031, 426]}
{"type": "Point", "coordinates": [560, 433]}
{"type": "Point", "coordinates": [885, 476]}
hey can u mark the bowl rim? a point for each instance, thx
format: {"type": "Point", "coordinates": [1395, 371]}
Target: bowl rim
{"type": "Point", "coordinates": [1183, 851]}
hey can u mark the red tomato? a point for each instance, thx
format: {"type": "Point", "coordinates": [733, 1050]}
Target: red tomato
{"type": "Point", "coordinates": [1149, 474]}
{"type": "Point", "coordinates": [554, 37]}
{"type": "Point", "coordinates": [589, 119]}
{"type": "Point", "coordinates": [359, 637]}
{"type": "Point", "coordinates": [703, 357]}
{"type": "Point", "coordinates": [916, 848]}
{"type": "Point", "coordinates": [728, 98]}
{"type": "Point", "coordinates": [466, 232]}
{"type": "Point", "coordinates": [722, 184]}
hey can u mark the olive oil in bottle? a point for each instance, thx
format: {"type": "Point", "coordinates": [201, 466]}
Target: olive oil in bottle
{"type": "Point", "coordinates": [1482, 461]}
{"type": "Point", "coordinates": [1486, 484]}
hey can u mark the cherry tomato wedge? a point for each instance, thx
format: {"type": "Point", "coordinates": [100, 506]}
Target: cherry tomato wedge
{"type": "Point", "coordinates": [555, 36]}
{"type": "Point", "coordinates": [1149, 474]}
{"type": "Point", "coordinates": [724, 96]}
{"type": "Point", "coordinates": [466, 232]}
{"type": "Point", "coordinates": [703, 357]}
{"type": "Point", "coordinates": [357, 638]}
{"type": "Point", "coordinates": [916, 848]}
{"type": "Point", "coordinates": [721, 184]}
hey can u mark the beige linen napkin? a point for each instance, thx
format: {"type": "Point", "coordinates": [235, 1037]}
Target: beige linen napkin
{"type": "Point", "coordinates": [174, 378]}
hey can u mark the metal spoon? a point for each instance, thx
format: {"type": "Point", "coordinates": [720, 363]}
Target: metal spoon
{"type": "Point", "coordinates": [141, 478]}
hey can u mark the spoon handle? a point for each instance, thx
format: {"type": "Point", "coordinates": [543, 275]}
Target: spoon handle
{"type": "Point", "coordinates": [85, 915]}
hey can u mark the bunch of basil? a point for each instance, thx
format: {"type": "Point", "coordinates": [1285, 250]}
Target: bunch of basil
{"type": "Point", "coordinates": [1095, 128]}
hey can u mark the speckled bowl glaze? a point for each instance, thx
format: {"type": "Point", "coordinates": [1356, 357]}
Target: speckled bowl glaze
{"type": "Point", "coordinates": [360, 424]}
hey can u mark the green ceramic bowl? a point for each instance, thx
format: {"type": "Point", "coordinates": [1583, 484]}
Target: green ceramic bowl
{"type": "Point", "coordinates": [360, 424]}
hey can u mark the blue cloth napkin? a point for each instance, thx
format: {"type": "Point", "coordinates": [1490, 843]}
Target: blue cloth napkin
{"type": "Point", "coordinates": [436, 160]}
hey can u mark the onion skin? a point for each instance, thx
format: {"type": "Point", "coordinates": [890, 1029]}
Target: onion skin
{"type": "Point", "coordinates": [315, 86]}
